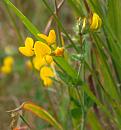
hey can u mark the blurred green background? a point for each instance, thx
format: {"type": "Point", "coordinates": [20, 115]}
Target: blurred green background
{"type": "Point", "coordinates": [22, 85]}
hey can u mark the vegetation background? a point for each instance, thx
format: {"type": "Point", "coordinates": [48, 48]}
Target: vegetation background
{"type": "Point", "coordinates": [89, 101]}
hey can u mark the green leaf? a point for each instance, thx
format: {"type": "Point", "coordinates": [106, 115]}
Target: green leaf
{"type": "Point", "coordinates": [62, 63]}
{"type": "Point", "coordinates": [24, 19]}
{"type": "Point", "coordinates": [41, 113]}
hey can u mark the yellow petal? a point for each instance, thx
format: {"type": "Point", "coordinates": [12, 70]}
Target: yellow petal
{"type": "Point", "coordinates": [41, 49]}
{"type": "Point", "coordinates": [51, 38]}
{"type": "Point", "coordinates": [6, 69]}
{"type": "Point", "coordinates": [48, 82]}
{"type": "Point", "coordinates": [59, 51]}
{"type": "Point", "coordinates": [46, 72]}
{"type": "Point", "coordinates": [38, 62]}
{"type": "Point", "coordinates": [8, 61]}
{"type": "Point", "coordinates": [29, 42]}
{"type": "Point", "coordinates": [43, 36]}
{"type": "Point", "coordinates": [26, 51]}
{"type": "Point", "coordinates": [48, 59]}
{"type": "Point", "coordinates": [94, 22]}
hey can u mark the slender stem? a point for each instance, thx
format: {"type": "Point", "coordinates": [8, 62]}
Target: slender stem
{"type": "Point", "coordinates": [60, 24]}
{"type": "Point", "coordinates": [14, 23]}
{"type": "Point", "coordinates": [58, 28]}
{"type": "Point", "coordinates": [25, 122]}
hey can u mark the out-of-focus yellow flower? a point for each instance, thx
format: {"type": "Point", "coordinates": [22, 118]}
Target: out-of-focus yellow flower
{"type": "Point", "coordinates": [28, 49]}
{"type": "Point", "coordinates": [45, 74]}
{"type": "Point", "coordinates": [7, 65]}
{"type": "Point", "coordinates": [42, 53]}
{"type": "Point", "coordinates": [59, 51]}
{"type": "Point", "coordinates": [50, 39]}
{"type": "Point", "coordinates": [8, 61]}
{"type": "Point", "coordinates": [6, 69]}
{"type": "Point", "coordinates": [96, 22]}
{"type": "Point", "coordinates": [28, 64]}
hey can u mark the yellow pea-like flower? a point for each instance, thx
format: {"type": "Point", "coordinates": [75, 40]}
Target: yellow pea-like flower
{"type": "Point", "coordinates": [27, 50]}
{"type": "Point", "coordinates": [59, 51]}
{"type": "Point", "coordinates": [96, 22]}
{"type": "Point", "coordinates": [38, 62]}
{"type": "Point", "coordinates": [8, 61]}
{"type": "Point", "coordinates": [48, 59]}
{"type": "Point", "coordinates": [42, 53]}
{"type": "Point", "coordinates": [7, 65]}
{"type": "Point", "coordinates": [41, 49]}
{"type": "Point", "coordinates": [50, 39]}
{"type": "Point", "coordinates": [45, 74]}
{"type": "Point", "coordinates": [6, 69]}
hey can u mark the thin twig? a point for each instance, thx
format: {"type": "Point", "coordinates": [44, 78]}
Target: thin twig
{"type": "Point", "coordinates": [51, 17]}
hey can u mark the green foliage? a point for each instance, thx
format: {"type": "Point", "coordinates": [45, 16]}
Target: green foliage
{"type": "Point", "coordinates": [91, 74]}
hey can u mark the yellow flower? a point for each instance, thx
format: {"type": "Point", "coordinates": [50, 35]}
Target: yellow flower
{"type": "Point", "coordinates": [45, 74]}
{"type": "Point", "coordinates": [42, 53]}
{"type": "Point", "coordinates": [28, 49]}
{"type": "Point", "coordinates": [84, 23]}
{"type": "Point", "coordinates": [28, 64]}
{"type": "Point", "coordinates": [8, 61]}
{"type": "Point", "coordinates": [38, 62]}
{"type": "Point", "coordinates": [59, 51]}
{"type": "Point", "coordinates": [50, 39]}
{"type": "Point", "coordinates": [96, 22]}
{"type": "Point", "coordinates": [7, 65]}
{"type": "Point", "coordinates": [6, 69]}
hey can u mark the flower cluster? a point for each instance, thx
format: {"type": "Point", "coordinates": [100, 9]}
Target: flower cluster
{"type": "Point", "coordinates": [7, 65]}
{"type": "Point", "coordinates": [43, 52]}
{"type": "Point", "coordinates": [92, 23]}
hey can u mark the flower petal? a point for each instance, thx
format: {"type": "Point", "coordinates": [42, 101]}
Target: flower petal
{"type": "Point", "coordinates": [51, 38]}
{"type": "Point", "coordinates": [26, 51]}
{"type": "Point", "coordinates": [46, 72]}
{"type": "Point", "coordinates": [41, 49]}
{"type": "Point", "coordinates": [43, 36]}
{"type": "Point", "coordinates": [38, 62]}
{"type": "Point", "coordinates": [29, 43]}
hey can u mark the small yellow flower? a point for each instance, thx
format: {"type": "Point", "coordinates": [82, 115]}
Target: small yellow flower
{"type": "Point", "coordinates": [8, 61]}
{"type": "Point", "coordinates": [42, 53]}
{"type": "Point", "coordinates": [45, 74]}
{"type": "Point", "coordinates": [7, 65]}
{"type": "Point", "coordinates": [6, 69]}
{"type": "Point", "coordinates": [38, 62]}
{"type": "Point", "coordinates": [50, 39]}
{"type": "Point", "coordinates": [96, 22]}
{"type": "Point", "coordinates": [28, 49]}
{"type": "Point", "coordinates": [28, 64]}
{"type": "Point", "coordinates": [59, 51]}
{"type": "Point", "coordinates": [84, 23]}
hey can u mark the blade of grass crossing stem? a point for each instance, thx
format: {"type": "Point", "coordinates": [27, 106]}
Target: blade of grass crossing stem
{"type": "Point", "coordinates": [109, 83]}
{"type": "Point", "coordinates": [102, 107]}
{"type": "Point", "coordinates": [60, 25]}
{"type": "Point", "coordinates": [76, 7]}
{"type": "Point", "coordinates": [24, 19]}
{"type": "Point", "coordinates": [92, 118]}
{"type": "Point", "coordinates": [42, 113]}
{"type": "Point", "coordinates": [64, 65]}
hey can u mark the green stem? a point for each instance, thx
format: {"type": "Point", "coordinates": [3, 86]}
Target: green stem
{"type": "Point", "coordinates": [60, 25]}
